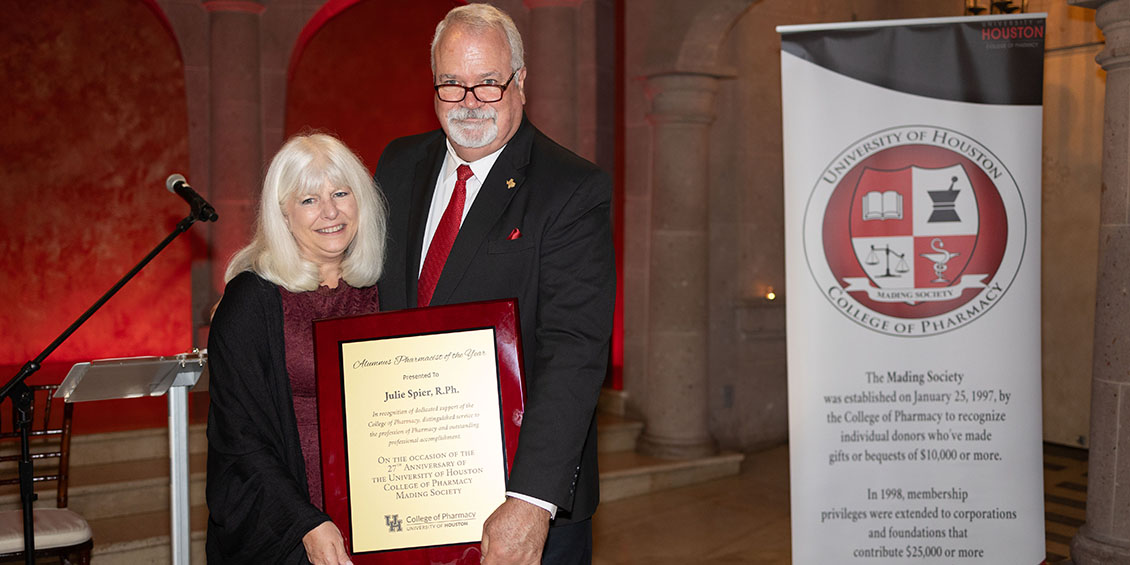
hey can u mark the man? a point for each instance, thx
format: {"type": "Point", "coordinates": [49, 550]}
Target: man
{"type": "Point", "coordinates": [534, 226]}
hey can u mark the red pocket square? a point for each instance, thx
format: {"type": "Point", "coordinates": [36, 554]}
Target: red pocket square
{"type": "Point", "coordinates": [515, 234]}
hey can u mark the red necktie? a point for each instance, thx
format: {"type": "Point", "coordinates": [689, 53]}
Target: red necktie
{"type": "Point", "coordinates": [445, 234]}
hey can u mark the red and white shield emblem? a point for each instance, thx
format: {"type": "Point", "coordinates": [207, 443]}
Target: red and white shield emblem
{"type": "Point", "coordinates": [914, 227]}
{"type": "Point", "coordinates": [912, 232]}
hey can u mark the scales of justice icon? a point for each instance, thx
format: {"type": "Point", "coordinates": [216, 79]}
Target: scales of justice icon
{"type": "Point", "coordinates": [900, 267]}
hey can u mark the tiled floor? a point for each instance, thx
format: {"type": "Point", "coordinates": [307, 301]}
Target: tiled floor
{"type": "Point", "coordinates": [740, 519]}
{"type": "Point", "coordinates": [1065, 498]}
{"type": "Point", "coordinates": [745, 518]}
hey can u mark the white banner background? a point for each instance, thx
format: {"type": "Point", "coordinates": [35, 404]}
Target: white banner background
{"type": "Point", "coordinates": [937, 492]}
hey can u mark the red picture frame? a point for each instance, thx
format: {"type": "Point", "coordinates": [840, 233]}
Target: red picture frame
{"type": "Point", "coordinates": [499, 315]}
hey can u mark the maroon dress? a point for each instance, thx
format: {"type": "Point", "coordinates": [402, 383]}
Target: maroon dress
{"type": "Point", "coordinates": [300, 309]}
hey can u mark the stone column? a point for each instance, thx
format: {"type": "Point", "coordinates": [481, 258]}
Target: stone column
{"type": "Point", "coordinates": [682, 109]}
{"type": "Point", "coordinates": [551, 58]}
{"type": "Point", "coordinates": [235, 150]}
{"type": "Point", "coordinates": [1105, 537]}
{"type": "Point", "coordinates": [190, 23]}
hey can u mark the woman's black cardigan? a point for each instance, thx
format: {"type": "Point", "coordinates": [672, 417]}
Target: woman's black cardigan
{"type": "Point", "coordinates": [258, 503]}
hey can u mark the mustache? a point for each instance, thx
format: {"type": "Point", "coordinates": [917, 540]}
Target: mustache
{"type": "Point", "coordinates": [482, 113]}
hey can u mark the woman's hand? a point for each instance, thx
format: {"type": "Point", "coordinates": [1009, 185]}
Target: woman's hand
{"type": "Point", "coordinates": [325, 546]}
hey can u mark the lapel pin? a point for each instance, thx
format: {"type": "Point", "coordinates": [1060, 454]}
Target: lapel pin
{"type": "Point", "coordinates": [510, 183]}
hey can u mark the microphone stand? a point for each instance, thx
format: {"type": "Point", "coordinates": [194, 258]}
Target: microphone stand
{"type": "Point", "coordinates": [22, 397]}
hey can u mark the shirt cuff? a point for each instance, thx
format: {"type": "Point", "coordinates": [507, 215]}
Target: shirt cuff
{"type": "Point", "coordinates": [547, 506]}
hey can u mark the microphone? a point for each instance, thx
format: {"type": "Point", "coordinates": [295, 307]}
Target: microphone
{"type": "Point", "coordinates": [203, 211]}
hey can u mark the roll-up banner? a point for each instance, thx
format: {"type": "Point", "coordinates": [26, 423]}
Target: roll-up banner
{"type": "Point", "coordinates": [912, 203]}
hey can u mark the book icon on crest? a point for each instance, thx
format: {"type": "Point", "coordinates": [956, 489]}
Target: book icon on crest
{"type": "Point", "coordinates": [882, 205]}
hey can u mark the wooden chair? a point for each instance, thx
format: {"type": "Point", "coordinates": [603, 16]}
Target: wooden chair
{"type": "Point", "coordinates": [59, 533]}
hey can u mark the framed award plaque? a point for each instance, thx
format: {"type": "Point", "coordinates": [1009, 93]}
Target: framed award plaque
{"type": "Point", "coordinates": [419, 412]}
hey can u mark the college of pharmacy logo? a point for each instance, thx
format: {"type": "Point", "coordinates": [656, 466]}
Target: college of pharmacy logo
{"type": "Point", "coordinates": [915, 230]}
{"type": "Point", "coordinates": [393, 522]}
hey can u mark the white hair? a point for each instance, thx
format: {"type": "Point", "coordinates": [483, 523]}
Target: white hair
{"type": "Point", "coordinates": [480, 17]}
{"type": "Point", "coordinates": [304, 164]}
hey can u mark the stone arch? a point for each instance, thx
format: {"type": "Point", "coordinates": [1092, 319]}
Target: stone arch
{"type": "Point", "coordinates": [313, 24]}
{"type": "Point", "coordinates": [707, 33]}
{"type": "Point", "coordinates": [362, 75]}
{"type": "Point", "coordinates": [687, 37]}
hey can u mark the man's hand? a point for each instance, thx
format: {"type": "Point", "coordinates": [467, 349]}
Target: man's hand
{"type": "Point", "coordinates": [325, 546]}
{"type": "Point", "coordinates": [515, 534]}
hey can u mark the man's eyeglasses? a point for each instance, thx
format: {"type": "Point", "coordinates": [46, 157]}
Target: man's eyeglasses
{"type": "Point", "coordinates": [485, 93]}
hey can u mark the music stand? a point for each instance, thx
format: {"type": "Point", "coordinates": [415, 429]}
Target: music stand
{"type": "Point", "coordinates": [133, 377]}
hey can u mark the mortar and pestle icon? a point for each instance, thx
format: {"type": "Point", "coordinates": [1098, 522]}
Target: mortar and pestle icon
{"type": "Point", "coordinates": [944, 204]}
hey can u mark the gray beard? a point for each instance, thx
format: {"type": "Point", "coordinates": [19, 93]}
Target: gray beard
{"type": "Point", "coordinates": [471, 136]}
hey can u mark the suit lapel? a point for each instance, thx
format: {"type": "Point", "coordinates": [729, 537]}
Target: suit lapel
{"type": "Point", "coordinates": [423, 185]}
{"type": "Point", "coordinates": [493, 198]}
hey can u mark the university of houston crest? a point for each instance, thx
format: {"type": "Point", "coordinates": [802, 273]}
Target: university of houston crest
{"type": "Point", "coordinates": [915, 230]}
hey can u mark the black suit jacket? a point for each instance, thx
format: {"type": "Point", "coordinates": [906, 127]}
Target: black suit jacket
{"type": "Point", "coordinates": [561, 270]}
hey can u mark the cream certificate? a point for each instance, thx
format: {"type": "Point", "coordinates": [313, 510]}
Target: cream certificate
{"type": "Point", "coordinates": [423, 435]}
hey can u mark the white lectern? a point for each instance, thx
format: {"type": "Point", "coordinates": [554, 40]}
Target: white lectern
{"type": "Point", "coordinates": [133, 377]}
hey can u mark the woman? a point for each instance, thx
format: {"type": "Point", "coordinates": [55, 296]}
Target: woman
{"type": "Point", "coordinates": [317, 252]}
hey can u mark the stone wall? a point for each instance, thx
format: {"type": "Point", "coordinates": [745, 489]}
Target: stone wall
{"type": "Point", "coordinates": [746, 393]}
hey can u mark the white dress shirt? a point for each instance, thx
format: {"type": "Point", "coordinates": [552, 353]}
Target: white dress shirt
{"type": "Point", "coordinates": [445, 187]}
